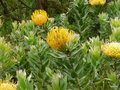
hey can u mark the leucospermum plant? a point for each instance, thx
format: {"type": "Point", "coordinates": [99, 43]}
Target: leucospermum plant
{"type": "Point", "coordinates": [6, 85]}
{"type": "Point", "coordinates": [105, 30]}
{"type": "Point", "coordinates": [72, 62]}
{"type": "Point", "coordinates": [115, 26]}
{"type": "Point", "coordinates": [97, 2]}
{"type": "Point", "coordinates": [59, 37]}
{"type": "Point", "coordinates": [23, 82]}
{"type": "Point", "coordinates": [111, 49]}
{"type": "Point", "coordinates": [7, 60]}
{"type": "Point", "coordinates": [115, 32]}
{"type": "Point", "coordinates": [58, 81]}
{"type": "Point", "coordinates": [39, 17]}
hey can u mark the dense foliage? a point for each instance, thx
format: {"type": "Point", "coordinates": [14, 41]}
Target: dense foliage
{"type": "Point", "coordinates": [70, 45]}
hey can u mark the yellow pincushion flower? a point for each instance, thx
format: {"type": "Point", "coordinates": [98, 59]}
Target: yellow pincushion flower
{"type": "Point", "coordinates": [39, 17]}
{"type": "Point", "coordinates": [111, 49]}
{"type": "Point", "coordinates": [7, 86]}
{"type": "Point", "coordinates": [97, 2]}
{"type": "Point", "coordinates": [58, 37]}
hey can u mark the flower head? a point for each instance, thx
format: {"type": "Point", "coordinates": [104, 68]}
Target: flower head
{"type": "Point", "coordinates": [97, 2]}
{"type": "Point", "coordinates": [111, 49]}
{"type": "Point", "coordinates": [58, 37]}
{"type": "Point", "coordinates": [39, 17]}
{"type": "Point", "coordinates": [7, 86]}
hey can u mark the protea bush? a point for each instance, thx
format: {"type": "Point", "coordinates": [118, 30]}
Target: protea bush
{"type": "Point", "coordinates": [70, 45]}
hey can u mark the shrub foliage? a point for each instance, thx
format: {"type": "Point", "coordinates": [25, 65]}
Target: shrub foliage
{"type": "Point", "coordinates": [87, 35]}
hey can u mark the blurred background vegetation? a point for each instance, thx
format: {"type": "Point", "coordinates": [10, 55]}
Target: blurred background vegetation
{"type": "Point", "coordinates": [22, 9]}
{"type": "Point", "coordinates": [18, 10]}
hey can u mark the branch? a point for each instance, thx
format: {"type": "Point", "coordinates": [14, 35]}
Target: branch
{"type": "Point", "coordinates": [25, 4]}
{"type": "Point", "coordinates": [43, 4]}
{"type": "Point", "coordinates": [6, 11]}
{"type": "Point", "coordinates": [4, 6]}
